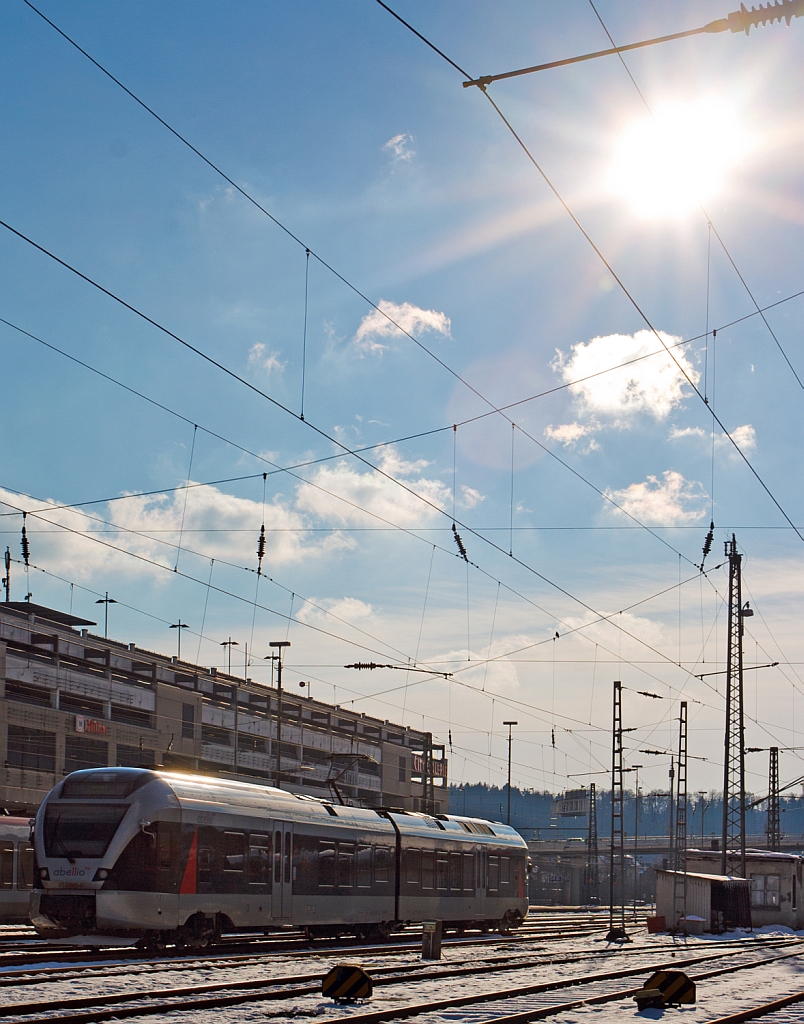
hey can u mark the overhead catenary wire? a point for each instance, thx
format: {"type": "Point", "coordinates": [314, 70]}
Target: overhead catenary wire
{"type": "Point", "coordinates": [711, 228]}
{"type": "Point", "coordinates": [333, 439]}
{"type": "Point", "coordinates": [621, 284]}
{"type": "Point", "coordinates": [377, 307]}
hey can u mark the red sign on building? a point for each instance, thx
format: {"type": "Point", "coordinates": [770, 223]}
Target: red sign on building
{"type": "Point", "coordinates": [92, 725]}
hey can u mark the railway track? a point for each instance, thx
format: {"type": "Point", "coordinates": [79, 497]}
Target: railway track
{"type": "Point", "coordinates": [40, 952]}
{"type": "Point", "coordinates": [221, 995]}
{"type": "Point", "coordinates": [45, 975]}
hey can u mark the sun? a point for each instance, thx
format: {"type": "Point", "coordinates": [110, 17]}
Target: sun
{"type": "Point", "coordinates": [668, 164]}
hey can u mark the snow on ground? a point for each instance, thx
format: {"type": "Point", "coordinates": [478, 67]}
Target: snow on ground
{"type": "Point", "coordinates": [718, 996]}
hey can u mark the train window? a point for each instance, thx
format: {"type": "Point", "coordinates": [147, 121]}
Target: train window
{"type": "Point", "coordinates": [259, 860]}
{"type": "Point", "coordinates": [364, 866]}
{"type": "Point", "coordinates": [80, 830]}
{"type": "Point", "coordinates": [327, 876]}
{"type": "Point", "coordinates": [442, 871]}
{"type": "Point", "coordinates": [505, 870]}
{"type": "Point", "coordinates": [288, 854]}
{"type": "Point", "coordinates": [25, 866]}
{"type": "Point", "coordinates": [494, 873]}
{"type": "Point", "coordinates": [346, 865]}
{"type": "Point", "coordinates": [381, 860]}
{"type": "Point", "coordinates": [481, 866]}
{"type": "Point", "coordinates": [428, 869]}
{"type": "Point", "coordinates": [277, 856]}
{"type": "Point", "coordinates": [469, 872]}
{"type": "Point", "coordinates": [6, 865]}
{"type": "Point", "coordinates": [204, 861]}
{"type": "Point", "coordinates": [234, 851]}
{"type": "Point", "coordinates": [455, 877]}
{"type": "Point", "coordinates": [413, 867]}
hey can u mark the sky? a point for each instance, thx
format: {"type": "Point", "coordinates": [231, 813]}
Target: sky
{"type": "Point", "coordinates": [604, 275]}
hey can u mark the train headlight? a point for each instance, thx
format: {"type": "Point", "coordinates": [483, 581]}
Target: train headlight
{"type": "Point", "coordinates": [101, 874]}
{"type": "Point", "coordinates": [44, 874]}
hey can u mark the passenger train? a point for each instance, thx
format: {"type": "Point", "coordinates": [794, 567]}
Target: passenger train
{"type": "Point", "coordinates": [16, 869]}
{"type": "Point", "coordinates": [178, 859]}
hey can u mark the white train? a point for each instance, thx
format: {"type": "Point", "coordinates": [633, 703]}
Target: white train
{"type": "Point", "coordinates": [172, 858]}
{"type": "Point", "coordinates": [17, 871]}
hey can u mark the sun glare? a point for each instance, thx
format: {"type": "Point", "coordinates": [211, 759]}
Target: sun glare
{"type": "Point", "coordinates": [666, 165]}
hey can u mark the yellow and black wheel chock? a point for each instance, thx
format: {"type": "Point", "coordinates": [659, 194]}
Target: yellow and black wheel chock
{"type": "Point", "coordinates": [665, 988]}
{"type": "Point", "coordinates": [347, 982]}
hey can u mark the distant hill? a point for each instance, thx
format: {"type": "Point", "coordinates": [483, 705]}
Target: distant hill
{"type": "Point", "coordinates": [530, 809]}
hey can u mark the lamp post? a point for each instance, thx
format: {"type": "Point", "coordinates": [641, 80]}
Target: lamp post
{"type": "Point", "coordinates": [702, 805]}
{"type": "Point", "coordinates": [279, 645]}
{"type": "Point", "coordinates": [229, 644]}
{"type": "Point", "coordinates": [179, 626]}
{"type": "Point", "coordinates": [510, 726]}
{"type": "Point", "coordinates": [106, 601]}
{"type": "Point", "coordinates": [636, 768]}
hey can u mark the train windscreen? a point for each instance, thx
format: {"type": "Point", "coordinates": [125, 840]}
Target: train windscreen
{"type": "Point", "coordinates": [80, 830]}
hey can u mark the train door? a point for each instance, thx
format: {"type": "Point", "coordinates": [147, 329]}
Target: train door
{"type": "Point", "coordinates": [281, 907]}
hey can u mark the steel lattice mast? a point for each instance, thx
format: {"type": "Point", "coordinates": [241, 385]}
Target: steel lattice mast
{"type": "Point", "coordinates": [617, 860]}
{"type": "Point", "coordinates": [774, 827]}
{"type": "Point", "coordinates": [680, 844]}
{"type": "Point", "coordinates": [732, 855]}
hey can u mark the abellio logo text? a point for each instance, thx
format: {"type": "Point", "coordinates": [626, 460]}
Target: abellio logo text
{"type": "Point", "coordinates": [73, 872]}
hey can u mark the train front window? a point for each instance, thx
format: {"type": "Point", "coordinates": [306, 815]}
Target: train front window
{"type": "Point", "coordinates": [80, 830]}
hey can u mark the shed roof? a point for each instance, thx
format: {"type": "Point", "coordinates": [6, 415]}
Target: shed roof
{"type": "Point", "coordinates": [709, 878]}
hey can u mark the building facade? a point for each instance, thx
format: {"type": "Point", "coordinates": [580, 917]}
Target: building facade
{"type": "Point", "coordinates": [70, 700]}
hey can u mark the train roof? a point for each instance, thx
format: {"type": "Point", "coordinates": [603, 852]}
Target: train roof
{"type": "Point", "coordinates": [211, 793]}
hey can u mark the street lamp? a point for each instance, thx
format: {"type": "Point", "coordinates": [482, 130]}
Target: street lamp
{"type": "Point", "coordinates": [510, 726]}
{"type": "Point", "coordinates": [702, 804]}
{"type": "Point", "coordinates": [179, 626]}
{"type": "Point", "coordinates": [107, 601]}
{"type": "Point", "coordinates": [636, 768]}
{"type": "Point", "coordinates": [230, 644]}
{"type": "Point", "coordinates": [279, 645]}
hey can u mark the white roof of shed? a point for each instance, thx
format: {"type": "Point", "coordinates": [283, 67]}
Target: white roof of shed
{"type": "Point", "coordinates": [698, 874]}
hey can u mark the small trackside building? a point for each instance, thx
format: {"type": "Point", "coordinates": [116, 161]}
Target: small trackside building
{"type": "Point", "coordinates": [714, 903]}
{"type": "Point", "coordinates": [775, 881]}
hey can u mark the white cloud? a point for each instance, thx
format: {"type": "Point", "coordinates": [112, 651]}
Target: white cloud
{"type": "Point", "coordinates": [374, 493]}
{"type": "Point", "coordinates": [470, 498]}
{"type": "Point", "coordinates": [569, 434]}
{"type": "Point", "coordinates": [677, 433]}
{"type": "Point", "coordinates": [233, 525]}
{"type": "Point", "coordinates": [400, 147]}
{"type": "Point", "coordinates": [269, 363]}
{"type": "Point", "coordinates": [377, 324]}
{"type": "Point", "coordinates": [669, 501]}
{"type": "Point", "coordinates": [349, 609]}
{"type": "Point", "coordinates": [745, 437]}
{"type": "Point", "coordinates": [654, 385]}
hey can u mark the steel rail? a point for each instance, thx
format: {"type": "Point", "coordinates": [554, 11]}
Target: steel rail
{"type": "Point", "coordinates": [542, 1011]}
{"type": "Point", "coordinates": [759, 1011]}
{"type": "Point", "coordinates": [57, 974]}
{"type": "Point", "coordinates": [392, 974]}
{"type": "Point", "coordinates": [141, 1010]}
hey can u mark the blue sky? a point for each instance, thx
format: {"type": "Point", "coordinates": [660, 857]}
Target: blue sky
{"type": "Point", "coordinates": [364, 144]}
